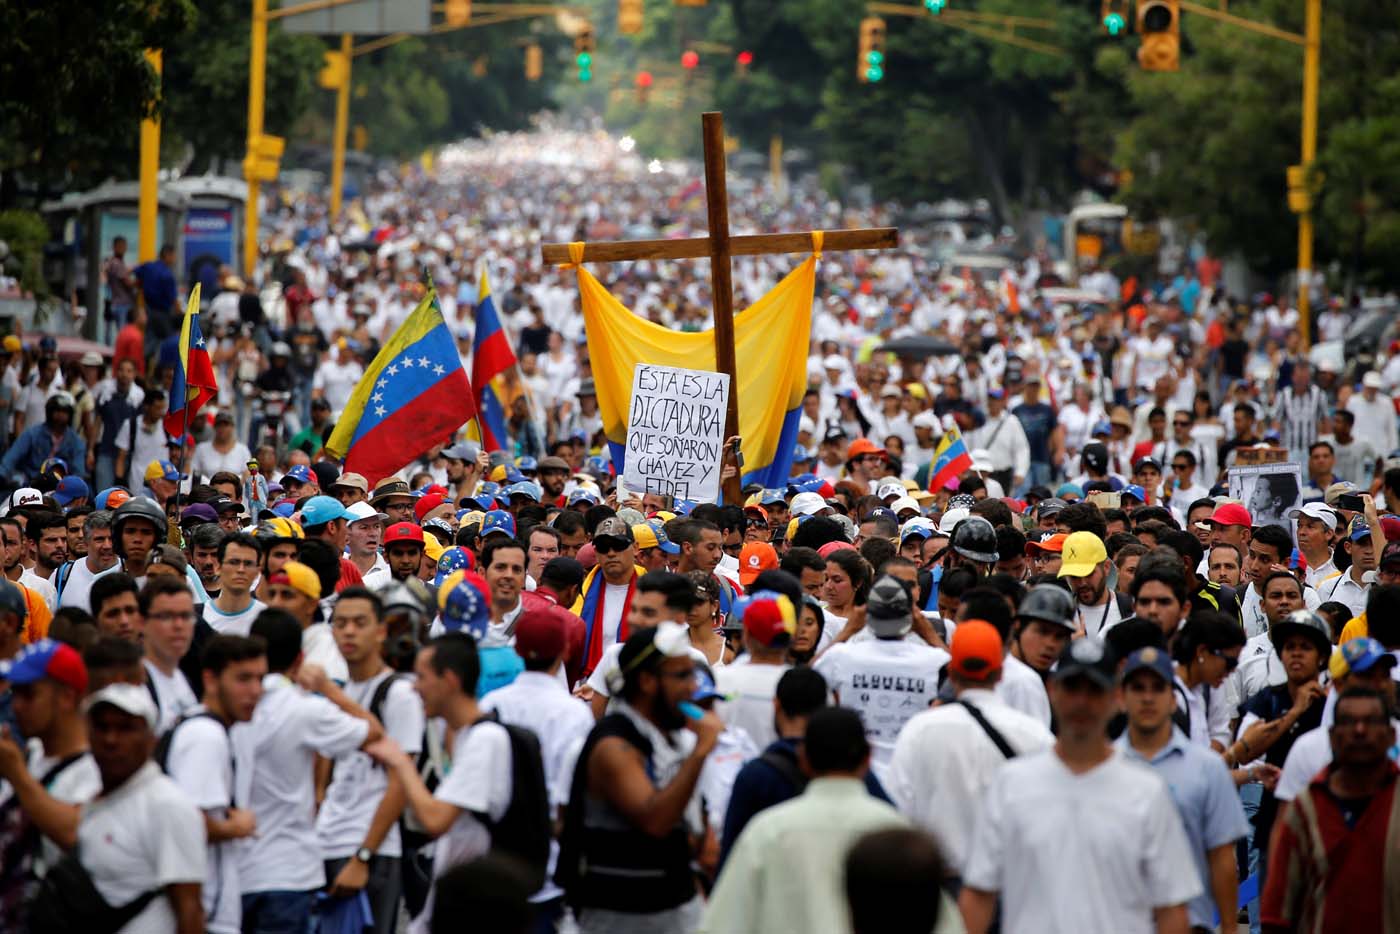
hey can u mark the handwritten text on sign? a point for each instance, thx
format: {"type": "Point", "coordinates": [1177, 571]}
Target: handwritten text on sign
{"type": "Point", "coordinates": [675, 432]}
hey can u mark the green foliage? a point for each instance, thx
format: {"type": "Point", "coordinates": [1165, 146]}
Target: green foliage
{"type": "Point", "coordinates": [24, 234]}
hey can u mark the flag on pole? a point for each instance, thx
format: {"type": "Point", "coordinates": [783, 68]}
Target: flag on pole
{"type": "Point", "coordinates": [194, 383]}
{"type": "Point", "coordinates": [949, 460]}
{"type": "Point", "coordinates": [414, 395]}
{"type": "Point", "coordinates": [492, 357]}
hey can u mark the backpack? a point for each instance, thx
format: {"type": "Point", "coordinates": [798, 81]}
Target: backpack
{"type": "Point", "coordinates": [526, 828]}
{"type": "Point", "coordinates": [786, 766]}
{"type": "Point", "coordinates": [67, 900]}
{"type": "Point", "coordinates": [19, 843]}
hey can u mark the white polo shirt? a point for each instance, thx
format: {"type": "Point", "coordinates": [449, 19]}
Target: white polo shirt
{"type": "Point", "coordinates": [1098, 851]}
{"type": "Point", "coordinates": [144, 835]}
{"type": "Point", "coordinates": [943, 762]}
{"type": "Point", "coordinates": [479, 783]}
{"type": "Point", "coordinates": [1344, 589]}
{"type": "Point", "coordinates": [201, 763]}
{"type": "Point", "coordinates": [289, 729]}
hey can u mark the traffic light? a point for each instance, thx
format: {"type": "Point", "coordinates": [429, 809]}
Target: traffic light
{"type": "Point", "coordinates": [935, 6]}
{"type": "Point", "coordinates": [457, 12]}
{"type": "Point", "coordinates": [629, 17]}
{"type": "Point", "coordinates": [870, 66]}
{"type": "Point", "coordinates": [534, 62]}
{"type": "Point", "coordinates": [1115, 17]}
{"type": "Point", "coordinates": [264, 158]}
{"type": "Point", "coordinates": [690, 59]}
{"type": "Point", "coordinates": [742, 61]}
{"type": "Point", "coordinates": [583, 53]}
{"type": "Point", "coordinates": [643, 81]}
{"type": "Point", "coordinates": [334, 71]}
{"type": "Point", "coordinates": [1159, 24]}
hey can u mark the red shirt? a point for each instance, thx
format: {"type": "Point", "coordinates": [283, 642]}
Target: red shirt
{"type": "Point", "coordinates": [131, 345]}
{"type": "Point", "coordinates": [350, 576]}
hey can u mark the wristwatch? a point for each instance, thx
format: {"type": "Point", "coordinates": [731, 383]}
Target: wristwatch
{"type": "Point", "coordinates": [364, 854]}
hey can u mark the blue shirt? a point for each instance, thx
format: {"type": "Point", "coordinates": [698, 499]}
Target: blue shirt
{"type": "Point", "coordinates": [157, 284]}
{"type": "Point", "coordinates": [35, 445]}
{"type": "Point", "coordinates": [1205, 797]}
{"type": "Point", "coordinates": [1038, 420]}
{"type": "Point", "coordinates": [759, 786]}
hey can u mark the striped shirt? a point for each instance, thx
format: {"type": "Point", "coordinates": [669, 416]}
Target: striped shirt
{"type": "Point", "coordinates": [1297, 416]}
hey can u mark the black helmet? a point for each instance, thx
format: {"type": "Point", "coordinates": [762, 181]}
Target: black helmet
{"type": "Point", "coordinates": [975, 539]}
{"type": "Point", "coordinates": [409, 611]}
{"type": "Point", "coordinates": [138, 507]}
{"type": "Point", "coordinates": [12, 601]}
{"type": "Point", "coordinates": [1304, 623]}
{"type": "Point", "coordinates": [1049, 603]}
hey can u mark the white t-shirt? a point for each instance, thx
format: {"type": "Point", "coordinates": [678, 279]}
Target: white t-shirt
{"type": "Point", "coordinates": [479, 783]}
{"type": "Point", "coordinates": [289, 729]}
{"type": "Point", "coordinates": [1099, 619]}
{"type": "Point", "coordinates": [1021, 688]}
{"type": "Point", "coordinates": [887, 681]}
{"type": "Point", "coordinates": [318, 647]}
{"type": "Point", "coordinates": [357, 783]}
{"type": "Point", "coordinates": [207, 461]}
{"type": "Point", "coordinates": [749, 690]}
{"type": "Point", "coordinates": [201, 763]}
{"type": "Point", "coordinates": [614, 599]}
{"type": "Point", "coordinates": [233, 624]}
{"type": "Point", "coordinates": [144, 835]}
{"type": "Point", "coordinates": [150, 446]}
{"type": "Point", "coordinates": [78, 783]}
{"type": "Point", "coordinates": [173, 694]}
{"type": "Point", "coordinates": [77, 589]}
{"type": "Point", "coordinates": [40, 586]}
{"type": "Point", "coordinates": [1072, 853]}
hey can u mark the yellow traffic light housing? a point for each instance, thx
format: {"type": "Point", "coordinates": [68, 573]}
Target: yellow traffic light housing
{"type": "Point", "coordinates": [264, 158]}
{"type": "Point", "coordinates": [629, 17]}
{"type": "Point", "coordinates": [534, 62]}
{"type": "Point", "coordinates": [334, 71]}
{"type": "Point", "coordinates": [1159, 25]}
{"type": "Point", "coordinates": [457, 12]}
{"type": "Point", "coordinates": [870, 62]}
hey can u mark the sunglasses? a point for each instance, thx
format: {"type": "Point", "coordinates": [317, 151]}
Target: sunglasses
{"type": "Point", "coordinates": [1231, 662]}
{"type": "Point", "coordinates": [609, 545]}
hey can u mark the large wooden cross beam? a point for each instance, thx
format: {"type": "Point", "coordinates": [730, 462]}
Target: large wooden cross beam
{"type": "Point", "coordinates": [719, 247]}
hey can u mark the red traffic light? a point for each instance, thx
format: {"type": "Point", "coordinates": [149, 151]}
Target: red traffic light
{"type": "Point", "coordinates": [643, 79]}
{"type": "Point", "coordinates": [690, 58]}
{"type": "Point", "coordinates": [744, 58]}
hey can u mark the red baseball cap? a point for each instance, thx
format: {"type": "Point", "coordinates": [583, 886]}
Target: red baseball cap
{"type": "Point", "coordinates": [976, 650]}
{"type": "Point", "coordinates": [540, 635]}
{"type": "Point", "coordinates": [770, 619]}
{"type": "Point", "coordinates": [402, 532]}
{"type": "Point", "coordinates": [427, 503]}
{"type": "Point", "coordinates": [1231, 514]}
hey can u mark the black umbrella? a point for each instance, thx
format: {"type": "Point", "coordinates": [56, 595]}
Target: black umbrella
{"type": "Point", "coordinates": [919, 347]}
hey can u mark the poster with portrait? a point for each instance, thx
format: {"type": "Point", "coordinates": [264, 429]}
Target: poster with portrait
{"type": "Point", "coordinates": [1268, 491]}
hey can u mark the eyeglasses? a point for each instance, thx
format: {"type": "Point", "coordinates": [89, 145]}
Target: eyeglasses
{"type": "Point", "coordinates": [1231, 661]}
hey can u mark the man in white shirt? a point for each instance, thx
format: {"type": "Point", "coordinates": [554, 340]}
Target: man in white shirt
{"type": "Point", "coordinates": [1004, 440]}
{"type": "Point", "coordinates": [1260, 666]}
{"type": "Point", "coordinates": [1086, 568]}
{"type": "Point", "coordinates": [200, 760]}
{"type": "Point", "coordinates": [234, 609]}
{"type": "Point", "coordinates": [1352, 586]}
{"type": "Point", "coordinates": [357, 825]}
{"type": "Point", "coordinates": [1375, 416]}
{"type": "Point", "coordinates": [47, 534]}
{"type": "Point", "coordinates": [749, 684]}
{"type": "Point", "coordinates": [295, 589]}
{"type": "Point", "coordinates": [142, 441]}
{"type": "Point", "coordinates": [141, 834]}
{"type": "Point", "coordinates": [167, 606]}
{"type": "Point", "coordinates": [945, 758]}
{"type": "Point", "coordinates": [886, 679]}
{"type": "Point", "coordinates": [101, 559]}
{"type": "Point", "coordinates": [221, 453]}
{"type": "Point", "coordinates": [1316, 525]}
{"type": "Point", "coordinates": [364, 529]}
{"type": "Point", "coordinates": [278, 874]}
{"type": "Point", "coordinates": [1076, 838]}
{"type": "Point", "coordinates": [336, 377]}
{"type": "Point", "coordinates": [1021, 687]}
{"type": "Point", "coordinates": [538, 701]}
{"type": "Point", "coordinates": [478, 789]}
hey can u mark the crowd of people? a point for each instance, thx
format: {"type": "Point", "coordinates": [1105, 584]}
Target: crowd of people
{"type": "Point", "coordinates": [1077, 687]}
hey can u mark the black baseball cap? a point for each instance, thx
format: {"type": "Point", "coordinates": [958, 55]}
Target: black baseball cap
{"type": "Point", "coordinates": [1089, 657]}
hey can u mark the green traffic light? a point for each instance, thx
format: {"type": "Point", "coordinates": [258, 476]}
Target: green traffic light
{"type": "Point", "coordinates": [875, 57]}
{"type": "Point", "coordinates": [1115, 23]}
{"type": "Point", "coordinates": [935, 6]}
{"type": "Point", "coordinates": [874, 73]}
{"type": "Point", "coordinates": [585, 75]}
{"type": "Point", "coordinates": [584, 60]}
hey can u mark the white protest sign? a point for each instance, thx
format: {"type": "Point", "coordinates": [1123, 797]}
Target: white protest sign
{"type": "Point", "coordinates": [675, 432]}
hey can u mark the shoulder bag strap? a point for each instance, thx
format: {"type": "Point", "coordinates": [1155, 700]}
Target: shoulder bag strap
{"type": "Point", "coordinates": [997, 739]}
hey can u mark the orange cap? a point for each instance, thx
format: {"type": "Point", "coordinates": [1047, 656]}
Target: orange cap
{"type": "Point", "coordinates": [862, 446]}
{"type": "Point", "coordinates": [754, 559]}
{"type": "Point", "coordinates": [976, 649]}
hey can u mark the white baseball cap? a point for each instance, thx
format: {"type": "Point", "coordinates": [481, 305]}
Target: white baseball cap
{"type": "Point", "coordinates": [807, 504]}
{"type": "Point", "coordinates": [1372, 380]}
{"type": "Point", "coordinates": [890, 488]}
{"type": "Point", "coordinates": [951, 518]}
{"type": "Point", "coordinates": [1316, 511]}
{"type": "Point", "coordinates": [358, 512]}
{"type": "Point", "coordinates": [128, 698]}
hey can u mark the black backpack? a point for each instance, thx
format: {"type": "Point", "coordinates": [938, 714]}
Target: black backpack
{"type": "Point", "coordinates": [526, 828]}
{"type": "Point", "coordinates": [416, 861]}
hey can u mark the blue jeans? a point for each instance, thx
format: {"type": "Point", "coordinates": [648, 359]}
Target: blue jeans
{"type": "Point", "coordinates": [119, 316]}
{"type": "Point", "coordinates": [104, 472]}
{"type": "Point", "coordinates": [278, 912]}
{"type": "Point", "coordinates": [384, 888]}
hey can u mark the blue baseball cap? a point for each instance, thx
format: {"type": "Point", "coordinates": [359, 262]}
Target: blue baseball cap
{"type": "Point", "coordinates": [769, 497]}
{"type": "Point", "coordinates": [1359, 529]}
{"type": "Point", "coordinates": [526, 488]}
{"type": "Point", "coordinates": [581, 494]}
{"type": "Point", "coordinates": [1135, 491]}
{"type": "Point", "coordinates": [705, 685]}
{"type": "Point", "coordinates": [498, 521]}
{"type": "Point", "coordinates": [69, 489]}
{"type": "Point", "coordinates": [1102, 428]}
{"type": "Point", "coordinates": [1149, 658]}
{"type": "Point", "coordinates": [527, 463]}
{"type": "Point", "coordinates": [1365, 653]}
{"type": "Point", "coordinates": [47, 658]}
{"type": "Point", "coordinates": [801, 455]}
{"type": "Point", "coordinates": [285, 509]}
{"type": "Point", "coordinates": [322, 509]}
{"type": "Point", "coordinates": [920, 528]}
{"type": "Point", "coordinates": [162, 470]}
{"type": "Point", "coordinates": [300, 473]}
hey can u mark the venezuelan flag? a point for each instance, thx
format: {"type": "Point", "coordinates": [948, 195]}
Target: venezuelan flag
{"type": "Point", "coordinates": [950, 459]}
{"type": "Point", "coordinates": [414, 395]}
{"type": "Point", "coordinates": [194, 383]}
{"type": "Point", "coordinates": [770, 349]}
{"type": "Point", "coordinates": [492, 357]}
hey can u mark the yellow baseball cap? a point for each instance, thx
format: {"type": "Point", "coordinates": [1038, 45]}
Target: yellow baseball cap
{"type": "Point", "coordinates": [433, 547]}
{"type": "Point", "coordinates": [1083, 551]}
{"type": "Point", "coordinates": [12, 344]}
{"type": "Point", "coordinates": [300, 578]}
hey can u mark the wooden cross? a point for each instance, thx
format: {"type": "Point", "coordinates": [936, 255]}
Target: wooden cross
{"type": "Point", "coordinates": [719, 247]}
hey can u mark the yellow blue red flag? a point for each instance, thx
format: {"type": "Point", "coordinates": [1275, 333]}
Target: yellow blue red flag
{"type": "Point", "coordinates": [194, 382]}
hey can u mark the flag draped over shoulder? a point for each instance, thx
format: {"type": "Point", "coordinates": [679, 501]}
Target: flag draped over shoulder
{"type": "Point", "coordinates": [492, 358]}
{"type": "Point", "coordinates": [414, 395]}
{"type": "Point", "coordinates": [194, 383]}
{"type": "Point", "coordinates": [950, 459]}
{"type": "Point", "coordinates": [770, 350]}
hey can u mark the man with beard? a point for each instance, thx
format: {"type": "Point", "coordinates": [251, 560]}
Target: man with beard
{"type": "Point", "coordinates": [38, 613]}
{"type": "Point", "coordinates": [462, 469]}
{"type": "Point", "coordinates": [403, 550]}
{"type": "Point", "coordinates": [47, 533]}
{"type": "Point", "coordinates": [1087, 568]}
